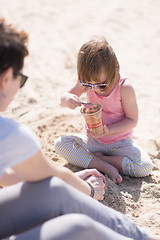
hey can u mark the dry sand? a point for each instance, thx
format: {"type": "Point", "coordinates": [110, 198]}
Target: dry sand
{"type": "Point", "coordinates": [57, 30]}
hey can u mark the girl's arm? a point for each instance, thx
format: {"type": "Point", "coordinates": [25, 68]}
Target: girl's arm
{"type": "Point", "coordinates": [130, 107]}
{"type": "Point", "coordinates": [70, 99]}
{"type": "Point", "coordinates": [131, 114]}
{"type": "Point", "coordinates": [39, 167]}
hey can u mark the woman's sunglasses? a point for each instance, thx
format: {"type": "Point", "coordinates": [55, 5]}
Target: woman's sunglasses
{"type": "Point", "coordinates": [100, 86]}
{"type": "Point", "coordinates": [23, 79]}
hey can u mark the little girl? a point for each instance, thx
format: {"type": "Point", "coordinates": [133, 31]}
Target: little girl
{"type": "Point", "coordinates": [113, 152]}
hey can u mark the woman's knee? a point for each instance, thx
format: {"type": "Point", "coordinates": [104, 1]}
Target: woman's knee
{"type": "Point", "coordinates": [52, 192]}
{"type": "Point", "coordinates": [59, 188]}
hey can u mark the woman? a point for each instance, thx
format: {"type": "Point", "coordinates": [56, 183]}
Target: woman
{"type": "Point", "coordinates": [42, 206]}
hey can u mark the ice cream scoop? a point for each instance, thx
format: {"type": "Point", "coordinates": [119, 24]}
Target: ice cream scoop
{"type": "Point", "coordinates": [87, 105]}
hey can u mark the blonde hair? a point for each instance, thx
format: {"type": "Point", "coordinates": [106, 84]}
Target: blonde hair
{"type": "Point", "coordinates": [94, 57]}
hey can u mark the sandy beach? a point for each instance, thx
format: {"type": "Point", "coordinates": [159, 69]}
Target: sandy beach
{"type": "Point", "coordinates": [57, 29]}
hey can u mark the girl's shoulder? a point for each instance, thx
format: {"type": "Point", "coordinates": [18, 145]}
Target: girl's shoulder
{"type": "Point", "coordinates": [126, 88]}
{"type": "Point", "coordinates": [125, 82]}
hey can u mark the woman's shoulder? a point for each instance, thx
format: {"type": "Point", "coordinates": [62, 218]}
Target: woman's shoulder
{"type": "Point", "coordinates": [7, 126]}
{"type": "Point", "coordinates": [12, 130]}
{"type": "Point", "coordinates": [7, 122]}
{"type": "Point", "coordinates": [17, 143]}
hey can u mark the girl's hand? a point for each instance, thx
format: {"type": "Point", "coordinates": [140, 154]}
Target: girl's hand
{"type": "Point", "coordinates": [70, 100]}
{"type": "Point", "coordinates": [73, 102]}
{"type": "Point", "coordinates": [105, 133]}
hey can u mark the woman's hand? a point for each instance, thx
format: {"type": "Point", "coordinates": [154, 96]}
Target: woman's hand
{"type": "Point", "coordinates": [96, 179]}
{"type": "Point", "coordinates": [98, 185]}
{"type": "Point", "coordinates": [105, 133]}
{"type": "Point", "coordinates": [84, 174]}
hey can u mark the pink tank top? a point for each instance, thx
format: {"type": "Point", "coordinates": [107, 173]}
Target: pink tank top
{"type": "Point", "coordinates": [112, 111]}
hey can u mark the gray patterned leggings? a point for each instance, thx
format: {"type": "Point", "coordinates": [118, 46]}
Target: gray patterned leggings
{"type": "Point", "coordinates": [79, 150]}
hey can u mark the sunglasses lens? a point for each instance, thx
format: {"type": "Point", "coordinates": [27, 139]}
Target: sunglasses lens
{"type": "Point", "coordinates": [23, 80]}
{"type": "Point", "coordinates": [101, 87]}
{"type": "Point", "coordinates": [87, 86]}
{"type": "Point", "coordinates": [90, 86]}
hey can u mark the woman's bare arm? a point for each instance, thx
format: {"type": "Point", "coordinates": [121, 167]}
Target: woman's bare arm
{"type": "Point", "coordinates": [40, 167]}
{"type": "Point", "coordinates": [10, 177]}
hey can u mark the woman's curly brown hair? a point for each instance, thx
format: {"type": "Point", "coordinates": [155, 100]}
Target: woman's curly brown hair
{"type": "Point", "coordinates": [13, 47]}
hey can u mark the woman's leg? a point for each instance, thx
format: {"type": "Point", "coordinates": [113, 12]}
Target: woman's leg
{"type": "Point", "coordinates": [70, 227]}
{"type": "Point", "coordinates": [24, 206]}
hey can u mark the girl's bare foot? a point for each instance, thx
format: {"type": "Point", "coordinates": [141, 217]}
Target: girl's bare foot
{"type": "Point", "coordinates": [111, 171]}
